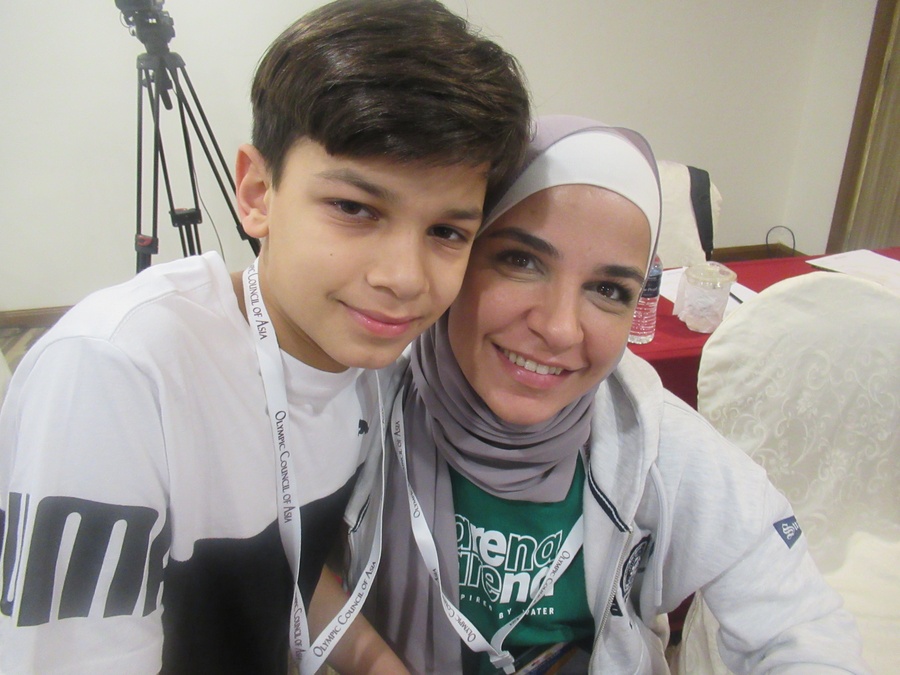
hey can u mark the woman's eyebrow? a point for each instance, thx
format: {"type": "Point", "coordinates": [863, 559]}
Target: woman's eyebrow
{"type": "Point", "coordinates": [538, 244]}
{"type": "Point", "coordinates": [545, 247]}
{"type": "Point", "coordinates": [622, 272]}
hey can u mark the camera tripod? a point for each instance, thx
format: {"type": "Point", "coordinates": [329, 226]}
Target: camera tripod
{"type": "Point", "coordinates": [161, 72]}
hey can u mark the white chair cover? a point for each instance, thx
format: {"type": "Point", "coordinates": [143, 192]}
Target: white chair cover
{"type": "Point", "coordinates": [805, 377]}
{"type": "Point", "coordinates": [5, 374]}
{"type": "Point", "coordinates": [679, 239]}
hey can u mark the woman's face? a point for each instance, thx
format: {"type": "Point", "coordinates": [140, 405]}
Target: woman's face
{"type": "Point", "coordinates": [547, 301]}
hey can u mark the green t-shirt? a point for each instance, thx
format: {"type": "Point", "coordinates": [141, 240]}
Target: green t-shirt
{"type": "Point", "coordinates": [505, 549]}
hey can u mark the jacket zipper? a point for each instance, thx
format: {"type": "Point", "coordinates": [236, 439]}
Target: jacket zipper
{"type": "Point", "coordinates": [616, 578]}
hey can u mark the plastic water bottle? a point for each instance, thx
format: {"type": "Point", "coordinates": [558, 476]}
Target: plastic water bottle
{"type": "Point", "coordinates": [643, 327]}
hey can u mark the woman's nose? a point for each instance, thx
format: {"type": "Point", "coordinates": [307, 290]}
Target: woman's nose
{"type": "Point", "coordinates": [556, 318]}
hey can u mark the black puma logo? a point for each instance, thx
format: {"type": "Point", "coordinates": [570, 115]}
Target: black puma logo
{"type": "Point", "coordinates": [363, 428]}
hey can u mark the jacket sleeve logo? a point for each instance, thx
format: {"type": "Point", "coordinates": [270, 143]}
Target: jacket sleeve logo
{"type": "Point", "coordinates": [789, 530]}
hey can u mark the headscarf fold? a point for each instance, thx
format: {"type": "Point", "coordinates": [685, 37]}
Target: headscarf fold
{"type": "Point", "coordinates": [447, 423]}
{"type": "Point", "coordinates": [534, 463]}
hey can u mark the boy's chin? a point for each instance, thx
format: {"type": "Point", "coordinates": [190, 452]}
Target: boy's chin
{"type": "Point", "coordinates": [373, 360]}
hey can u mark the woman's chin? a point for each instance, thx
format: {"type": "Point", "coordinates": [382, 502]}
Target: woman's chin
{"type": "Point", "coordinates": [523, 414]}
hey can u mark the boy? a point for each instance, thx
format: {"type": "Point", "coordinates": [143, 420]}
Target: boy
{"type": "Point", "coordinates": [177, 452]}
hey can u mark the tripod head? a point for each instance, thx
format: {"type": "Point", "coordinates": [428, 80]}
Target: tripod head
{"type": "Point", "coordinates": [149, 23]}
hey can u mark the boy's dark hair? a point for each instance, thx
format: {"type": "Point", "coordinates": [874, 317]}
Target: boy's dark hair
{"type": "Point", "coordinates": [405, 80]}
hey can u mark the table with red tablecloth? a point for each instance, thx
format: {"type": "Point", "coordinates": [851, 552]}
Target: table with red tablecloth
{"type": "Point", "coordinates": [675, 350]}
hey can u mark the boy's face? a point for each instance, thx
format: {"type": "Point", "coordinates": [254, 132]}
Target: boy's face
{"type": "Point", "coordinates": [359, 255]}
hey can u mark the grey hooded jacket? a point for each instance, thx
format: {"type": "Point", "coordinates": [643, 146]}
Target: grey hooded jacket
{"type": "Point", "coordinates": [670, 508]}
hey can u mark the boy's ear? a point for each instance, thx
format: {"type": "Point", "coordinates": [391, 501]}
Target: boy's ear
{"type": "Point", "coordinates": [252, 184]}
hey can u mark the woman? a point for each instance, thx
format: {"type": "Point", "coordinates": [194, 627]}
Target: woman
{"type": "Point", "coordinates": [556, 493]}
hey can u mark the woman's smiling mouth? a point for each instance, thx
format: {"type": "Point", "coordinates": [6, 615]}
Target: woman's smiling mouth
{"type": "Point", "coordinates": [533, 366]}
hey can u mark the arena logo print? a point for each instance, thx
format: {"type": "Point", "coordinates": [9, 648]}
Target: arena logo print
{"type": "Point", "coordinates": [508, 568]}
{"type": "Point", "coordinates": [89, 541]}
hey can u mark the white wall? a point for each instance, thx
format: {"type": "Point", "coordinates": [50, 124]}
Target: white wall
{"type": "Point", "coordinates": [761, 94]}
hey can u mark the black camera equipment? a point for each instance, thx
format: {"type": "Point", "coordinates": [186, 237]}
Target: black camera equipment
{"type": "Point", "coordinates": [161, 71]}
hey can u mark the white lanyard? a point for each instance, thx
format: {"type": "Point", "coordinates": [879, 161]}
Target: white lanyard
{"type": "Point", "coordinates": [466, 630]}
{"type": "Point", "coordinates": [310, 657]}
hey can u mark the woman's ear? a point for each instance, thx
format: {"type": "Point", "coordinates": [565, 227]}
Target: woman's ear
{"type": "Point", "coordinates": [252, 180]}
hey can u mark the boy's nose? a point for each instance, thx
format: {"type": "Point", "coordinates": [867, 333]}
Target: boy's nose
{"type": "Point", "coordinates": [400, 268]}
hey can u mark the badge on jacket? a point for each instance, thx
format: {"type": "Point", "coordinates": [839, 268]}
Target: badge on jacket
{"type": "Point", "coordinates": [789, 530]}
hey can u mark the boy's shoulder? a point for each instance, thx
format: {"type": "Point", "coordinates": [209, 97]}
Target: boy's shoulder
{"type": "Point", "coordinates": [177, 289]}
{"type": "Point", "coordinates": [161, 310]}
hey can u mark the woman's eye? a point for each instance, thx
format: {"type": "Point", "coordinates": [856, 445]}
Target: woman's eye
{"type": "Point", "coordinates": [614, 292]}
{"type": "Point", "coordinates": [517, 259]}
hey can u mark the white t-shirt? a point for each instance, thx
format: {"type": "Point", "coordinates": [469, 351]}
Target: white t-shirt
{"type": "Point", "coordinates": [138, 483]}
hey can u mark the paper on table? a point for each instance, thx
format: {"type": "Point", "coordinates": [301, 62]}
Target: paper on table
{"type": "Point", "coordinates": [864, 264]}
{"type": "Point", "coordinates": [668, 288]}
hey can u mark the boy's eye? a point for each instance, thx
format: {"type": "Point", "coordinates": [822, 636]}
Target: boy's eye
{"type": "Point", "coordinates": [453, 237]}
{"type": "Point", "coordinates": [351, 208]}
{"type": "Point", "coordinates": [449, 233]}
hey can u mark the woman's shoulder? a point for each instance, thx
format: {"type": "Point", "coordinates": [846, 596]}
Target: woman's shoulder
{"type": "Point", "coordinates": [680, 434]}
{"type": "Point", "coordinates": [694, 461]}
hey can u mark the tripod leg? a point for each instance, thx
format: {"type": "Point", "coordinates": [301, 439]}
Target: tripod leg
{"type": "Point", "coordinates": [144, 245]}
{"type": "Point", "coordinates": [254, 243]}
{"type": "Point", "coordinates": [162, 81]}
{"type": "Point", "coordinates": [188, 225]}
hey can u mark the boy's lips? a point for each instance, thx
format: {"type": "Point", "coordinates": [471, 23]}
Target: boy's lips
{"type": "Point", "coordinates": [382, 325]}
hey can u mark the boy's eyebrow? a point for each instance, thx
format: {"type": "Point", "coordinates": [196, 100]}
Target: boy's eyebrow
{"type": "Point", "coordinates": [351, 177]}
{"type": "Point", "coordinates": [345, 175]}
{"type": "Point", "coordinates": [545, 247]}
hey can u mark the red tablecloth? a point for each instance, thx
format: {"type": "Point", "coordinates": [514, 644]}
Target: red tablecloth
{"type": "Point", "coordinates": [675, 350]}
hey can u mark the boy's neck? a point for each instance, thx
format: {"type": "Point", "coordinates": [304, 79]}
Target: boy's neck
{"type": "Point", "coordinates": [237, 282]}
